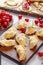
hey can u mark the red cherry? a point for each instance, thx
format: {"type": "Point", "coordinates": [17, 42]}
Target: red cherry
{"type": "Point", "coordinates": [3, 20]}
{"type": "Point", "coordinates": [29, 2]}
{"type": "Point", "coordinates": [5, 16]}
{"type": "Point", "coordinates": [7, 20]}
{"type": "Point", "coordinates": [41, 21]}
{"type": "Point", "coordinates": [26, 3]}
{"type": "Point", "coordinates": [0, 20]}
{"type": "Point", "coordinates": [39, 18]}
{"type": "Point", "coordinates": [3, 12]}
{"type": "Point", "coordinates": [20, 16]}
{"type": "Point", "coordinates": [40, 54]}
{"type": "Point", "coordinates": [0, 24]}
{"type": "Point", "coordinates": [41, 25]}
{"type": "Point", "coordinates": [5, 24]}
{"type": "Point", "coordinates": [36, 22]}
{"type": "Point", "coordinates": [23, 30]}
{"type": "Point", "coordinates": [0, 15]}
{"type": "Point", "coordinates": [9, 16]}
{"type": "Point", "coordinates": [27, 20]}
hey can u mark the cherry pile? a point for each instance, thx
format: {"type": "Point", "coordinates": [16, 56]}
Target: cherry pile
{"type": "Point", "coordinates": [39, 22]}
{"type": "Point", "coordinates": [5, 19]}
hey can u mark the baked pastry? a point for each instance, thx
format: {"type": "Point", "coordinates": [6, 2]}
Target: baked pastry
{"type": "Point", "coordinates": [10, 33]}
{"type": "Point", "coordinates": [12, 29]}
{"type": "Point", "coordinates": [31, 29]}
{"type": "Point", "coordinates": [7, 43]}
{"type": "Point", "coordinates": [21, 52]}
{"type": "Point", "coordinates": [2, 1]}
{"type": "Point", "coordinates": [21, 39]}
{"type": "Point", "coordinates": [40, 33]}
{"type": "Point", "coordinates": [12, 2]}
{"type": "Point", "coordinates": [35, 11]}
{"type": "Point", "coordinates": [29, 10]}
{"type": "Point", "coordinates": [41, 9]}
{"type": "Point", "coordinates": [2, 5]}
{"type": "Point", "coordinates": [41, 3]}
{"type": "Point", "coordinates": [33, 41]}
{"type": "Point", "coordinates": [21, 24]}
{"type": "Point", "coordinates": [19, 3]}
{"type": "Point", "coordinates": [36, 4]}
{"type": "Point", "coordinates": [25, 7]}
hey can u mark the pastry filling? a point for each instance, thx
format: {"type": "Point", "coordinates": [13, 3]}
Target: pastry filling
{"type": "Point", "coordinates": [25, 6]}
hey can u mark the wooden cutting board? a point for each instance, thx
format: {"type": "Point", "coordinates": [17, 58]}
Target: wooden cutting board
{"type": "Point", "coordinates": [10, 51]}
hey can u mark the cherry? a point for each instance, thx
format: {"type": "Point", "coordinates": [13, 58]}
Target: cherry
{"type": "Point", "coordinates": [41, 25]}
{"type": "Point", "coordinates": [10, 16]}
{"type": "Point", "coordinates": [20, 16]}
{"type": "Point", "coordinates": [40, 54]}
{"type": "Point", "coordinates": [39, 18]}
{"type": "Point", "coordinates": [29, 2]}
{"type": "Point", "coordinates": [36, 22]}
{"type": "Point", "coordinates": [0, 24]}
{"type": "Point", "coordinates": [3, 19]}
{"type": "Point", "coordinates": [3, 12]}
{"type": "Point", "coordinates": [41, 21]}
{"type": "Point", "coordinates": [5, 16]}
{"type": "Point", "coordinates": [0, 20]}
{"type": "Point", "coordinates": [27, 20]}
{"type": "Point", "coordinates": [23, 30]}
{"type": "Point", "coordinates": [8, 20]}
{"type": "Point", "coordinates": [5, 24]}
{"type": "Point", "coordinates": [0, 15]}
{"type": "Point", "coordinates": [26, 3]}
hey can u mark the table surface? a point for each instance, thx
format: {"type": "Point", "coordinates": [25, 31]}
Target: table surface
{"type": "Point", "coordinates": [34, 61]}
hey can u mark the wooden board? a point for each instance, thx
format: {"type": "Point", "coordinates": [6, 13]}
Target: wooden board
{"type": "Point", "coordinates": [11, 52]}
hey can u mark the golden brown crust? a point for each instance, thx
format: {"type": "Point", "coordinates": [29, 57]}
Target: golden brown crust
{"type": "Point", "coordinates": [10, 33]}
{"type": "Point", "coordinates": [21, 39]}
{"type": "Point", "coordinates": [21, 24]}
{"type": "Point", "coordinates": [7, 43]}
{"type": "Point", "coordinates": [21, 52]}
{"type": "Point", "coordinates": [33, 41]}
{"type": "Point", "coordinates": [31, 29]}
{"type": "Point", "coordinates": [40, 33]}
